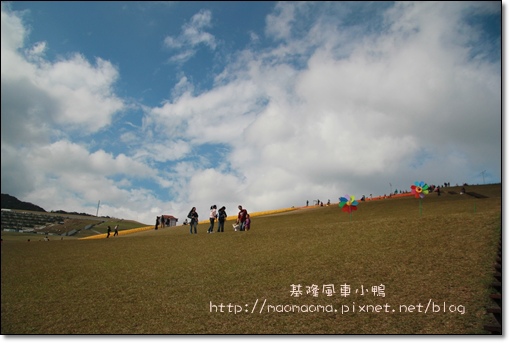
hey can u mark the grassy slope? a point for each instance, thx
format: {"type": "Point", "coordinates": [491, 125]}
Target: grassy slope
{"type": "Point", "coordinates": [161, 282]}
{"type": "Point", "coordinates": [76, 223]}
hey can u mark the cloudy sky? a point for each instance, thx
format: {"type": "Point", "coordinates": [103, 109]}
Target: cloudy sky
{"type": "Point", "coordinates": [155, 107]}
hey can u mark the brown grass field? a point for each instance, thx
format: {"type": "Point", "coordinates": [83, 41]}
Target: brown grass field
{"type": "Point", "coordinates": [393, 271]}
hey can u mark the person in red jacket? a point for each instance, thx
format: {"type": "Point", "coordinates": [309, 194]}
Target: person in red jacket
{"type": "Point", "coordinates": [241, 217]}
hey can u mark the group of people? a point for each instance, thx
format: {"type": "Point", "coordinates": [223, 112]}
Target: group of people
{"type": "Point", "coordinates": [319, 203]}
{"type": "Point", "coordinates": [162, 221]}
{"type": "Point", "coordinates": [109, 230]}
{"type": "Point", "coordinates": [243, 219]}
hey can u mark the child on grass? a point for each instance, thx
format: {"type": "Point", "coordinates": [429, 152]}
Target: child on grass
{"type": "Point", "coordinates": [247, 222]}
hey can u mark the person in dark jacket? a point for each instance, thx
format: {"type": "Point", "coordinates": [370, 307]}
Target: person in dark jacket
{"type": "Point", "coordinates": [222, 216]}
{"type": "Point", "coordinates": [193, 215]}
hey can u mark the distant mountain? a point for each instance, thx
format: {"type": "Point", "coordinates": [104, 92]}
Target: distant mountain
{"type": "Point", "coordinates": [10, 202]}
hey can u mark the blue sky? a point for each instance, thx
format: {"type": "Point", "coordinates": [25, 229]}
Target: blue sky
{"type": "Point", "coordinates": [155, 107]}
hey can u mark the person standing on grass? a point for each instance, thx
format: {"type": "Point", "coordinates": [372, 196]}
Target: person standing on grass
{"type": "Point", "coordinates": [247, 222]}
{"type": "Point", "coordinates": [193, 216]}
{"type": "Point", "coordinates": [212, 218]}
{"type": "Point", "coordinates": [116, 231]}
{"type": "Point", "coordinates": [222, 216]}
{"type": "Point", "coordinates": [108, 231]}
{"type": "Point", "coordinates": [241, 217]}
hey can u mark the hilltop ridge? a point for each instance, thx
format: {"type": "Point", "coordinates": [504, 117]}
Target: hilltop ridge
{"type": "Point", "coordinates": [13, 203]}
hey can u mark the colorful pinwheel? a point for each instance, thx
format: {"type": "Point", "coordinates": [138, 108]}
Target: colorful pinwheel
{"type": "Point", "coordinates": [348, 203]}
{"type": "Point", "coordinates": [419, 189]}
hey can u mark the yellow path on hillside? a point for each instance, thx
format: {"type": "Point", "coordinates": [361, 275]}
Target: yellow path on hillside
{"type": "Point", "coordinates": [146, 228]}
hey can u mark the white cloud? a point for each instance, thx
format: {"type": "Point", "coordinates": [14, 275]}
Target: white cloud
{"type": "Point", "coordinates": [13, 31]}
{"type": "Point", "coordinates": [193, 32]}
{"type": "Point", "coordinates": [192, 35]}
{"type": "Point", "coordinates": [217, 116]}
{"type": "Point", "coordinates": [84, 92]}
{"type": "Point", "coordinates": [70, 93]}
{"type": "Point", "coordinates": [279, 23]}
{"type": "Point", "coordinates": [36, 53]}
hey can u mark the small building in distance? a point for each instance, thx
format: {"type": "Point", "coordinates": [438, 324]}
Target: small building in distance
{"type": "Point", "coordinates": [169, 220]}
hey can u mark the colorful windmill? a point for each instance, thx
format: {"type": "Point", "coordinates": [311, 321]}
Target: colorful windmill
{"type": "Point", "coordinates": [348, 204]}
{"type": "Point", "coordinates": [419, 189]}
